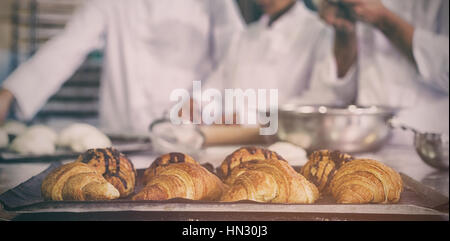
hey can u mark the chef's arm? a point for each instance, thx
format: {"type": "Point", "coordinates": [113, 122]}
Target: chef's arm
{"type": "Point", "coordinates": [431, 48]}
{"type": "Point", "coordinates": [427, 50]}
{"type": "Point", "coordinates": [345, 40]}
{"type": "Point", "coordinates": [326, 87]}
{"type": "Point", "coordinates": [431, 53]}
{"type": "Point", "coordinates": [42, 75]}
{"type": "Point", "coordinates": [398, 31]}
{"type": "Point", "coordinates": [345, 51]}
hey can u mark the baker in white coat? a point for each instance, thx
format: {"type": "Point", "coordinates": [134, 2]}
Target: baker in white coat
{"type": "Point", "coordinates": [277, 52]}
{"type": "Point", "coordinates": [391, 53]}
{"type": "Point", "coordinates": [151, 48]}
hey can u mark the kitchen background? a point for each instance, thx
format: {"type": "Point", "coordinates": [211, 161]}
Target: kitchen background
{"type": "Point", "coordinates": [26, 24]}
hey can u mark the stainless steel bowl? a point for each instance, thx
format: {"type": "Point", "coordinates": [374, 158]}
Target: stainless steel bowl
{"type": "Point", "coordinates": [352, 129]}
{"type": "Point", "coordinates": [433, 149]}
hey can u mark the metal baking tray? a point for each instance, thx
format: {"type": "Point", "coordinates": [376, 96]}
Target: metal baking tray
{"type": "Point", "coordinates": [418, 201]}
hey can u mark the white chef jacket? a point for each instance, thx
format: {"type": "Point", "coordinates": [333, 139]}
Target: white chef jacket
{"type": "Point", "coordinates": [384, 76]}
{"type": "Point", "coordinates": [151, 47]}
{"type": "Point", "coordinates": [277, 57]}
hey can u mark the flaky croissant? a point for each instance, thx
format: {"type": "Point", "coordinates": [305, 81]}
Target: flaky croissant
{"type": "Point", "coordinates": [269, 181]}
{"type": "Point", "coordinates": [322, 166]}
{"type": "Point", "coordinates": [173, 176]}
{"type": "Point", "coordinates": [245, 154]}
{"type": "Point", "coordinates": [165, 160]}
{"type": "Point", "coordinates": [115, 167]}
{"type": "Point", "coordinates": [366, 181]}
{"type": "Point", "coordinates": [77, 182]}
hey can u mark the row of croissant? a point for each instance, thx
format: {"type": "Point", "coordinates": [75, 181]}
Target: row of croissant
{"type": "Point", "coordinates": [250, 173]}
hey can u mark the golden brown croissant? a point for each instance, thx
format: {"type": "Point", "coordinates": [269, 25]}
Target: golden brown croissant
{"type": "Point", "coordinates": [270, 181]}
{"type": "Point", "coordinates": [322, 166]}
{"type": "Point", "coordinates": [165, 160]}
{"type": "Point", "coordinates": [77, 182]}
{"type": "Point", "coordinates": [246, 154]}
{"type": "Point", "coordinates": [179, 177]}
{"type": "Point", "coordinates": [115, 167]}
{"type": "Point", "coordinates": [366, 181]}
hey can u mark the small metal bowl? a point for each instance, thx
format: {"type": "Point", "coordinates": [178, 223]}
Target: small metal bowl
{"type": "Point", "coordinates": [433, 149]}
{"type": "Point", "coordinates": [352, 129]}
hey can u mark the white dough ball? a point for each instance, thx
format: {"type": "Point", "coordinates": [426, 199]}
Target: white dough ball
{"type": "Point", "coordinates": [37, 140]}
{"type": "Point", "coordinates": [74, 132]}
{"type": "Point", "coordinates": [33, 146]}
{"type": "Point", "coordinates": [14, 128]}
{"type": "Point", "coordinates": [43, 132]}
{"type": "Point", "coordinates": [82, 137]}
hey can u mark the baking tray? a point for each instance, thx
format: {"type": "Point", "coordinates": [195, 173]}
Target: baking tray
{"type": "Point", "coordinates": [124, 144]}
{"type": "Point", "coordinates": [417, 202]}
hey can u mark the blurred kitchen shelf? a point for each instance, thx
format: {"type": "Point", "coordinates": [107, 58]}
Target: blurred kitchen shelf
{"type": "Point", "coordinates": [41, 33]}
{"type": "Point", "coordinates": [74, 92]}
{"type": "Point", "coordinates": [58, 19]}
{"type": "Point", "coordinates": [34, 23]}
{"type": "Point", "coordinates": [90, 107]}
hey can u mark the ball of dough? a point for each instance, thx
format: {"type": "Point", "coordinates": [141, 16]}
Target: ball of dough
{"type": "Point", "coordinates": [4, 139]}
{"type": "Point", "coordinates": [37, 140]}
{"type": "Point", "coordinates": [32, 145]}
{"type": "Point", "coordinates": [14, 128]}
{"type": "Point", "coordinates": [82, 137]}
{"type": "Point", "coordinates": [43, 132]}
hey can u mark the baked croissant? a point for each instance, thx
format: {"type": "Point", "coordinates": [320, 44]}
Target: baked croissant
{"type": "Point", "coordinates": [366, 181]}
{"type": "Point", "coordinates": [115, 167]}
{"type": "Point", "coordinates": [269, 181]}
{"type": "Point", "coordinates": [77, 182]}
{"type": "Point", "coordinates": [165, 160]}
{"type": "Point", "coordinates": [174, 176]}
{"type": "Point", "coordinates": [322, 166]}
{"type": "Point", "coordinates": [245, 154]}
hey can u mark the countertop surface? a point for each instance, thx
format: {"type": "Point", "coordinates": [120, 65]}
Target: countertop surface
{"type": "Point", "coordinates": [402, 158]}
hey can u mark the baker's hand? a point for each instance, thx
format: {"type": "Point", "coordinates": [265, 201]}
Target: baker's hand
{"type": "Point", "coordinates": [6, 99]}
{"type": "Point", "coordinates": [394, 27]}
{"type": "Point", "coordinates": [335, 15]}
{"type": "Point", "coordinates": [369, 11]}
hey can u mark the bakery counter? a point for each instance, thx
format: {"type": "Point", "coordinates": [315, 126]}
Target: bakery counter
{"type": "Point", "coordinates": [402, 158]}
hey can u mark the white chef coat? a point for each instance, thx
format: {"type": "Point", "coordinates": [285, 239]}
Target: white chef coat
{"type": "Point", "coordinates": [279, 56]}
{"type": "Point", "coordinates": [151, 47]}
{"type": "Point", "coordinates": [384, 76]}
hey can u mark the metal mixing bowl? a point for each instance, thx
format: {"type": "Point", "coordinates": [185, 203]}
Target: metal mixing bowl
{"type": "Point", "coordinates": [352, 129]}
{"type": "Point", "coordinates": [433, 149]}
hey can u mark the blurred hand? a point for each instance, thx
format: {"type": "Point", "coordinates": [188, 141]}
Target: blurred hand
{"type": "Point", "coordinates": [369, 11]}
{"type": "Point", "coordinates": [395, 28]}
{"type": "Point", "coordinates": [337, 16]}
{"type": "Point", "coordinates": [6, 99]}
